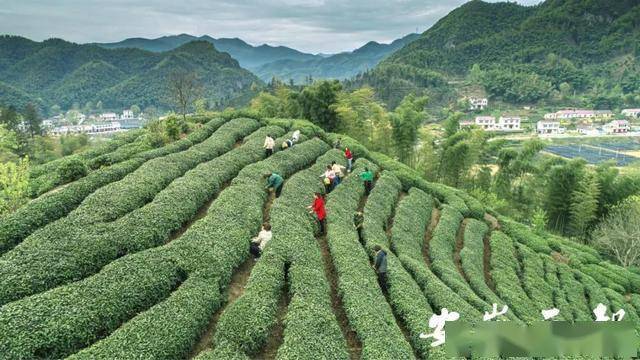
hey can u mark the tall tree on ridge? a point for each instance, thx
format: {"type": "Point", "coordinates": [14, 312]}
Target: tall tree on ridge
{"type": "Point", "coordinates": [184, 88]}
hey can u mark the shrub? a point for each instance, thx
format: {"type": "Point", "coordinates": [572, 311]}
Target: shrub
{"type": "Point", "coordinates": [593, 291]}
{"type": "Point", "coordinates": [524, 235]}
{"type": "Point", "coordinates": [410, 178]}
{"type": "Point", "coordinates": [50, 207]}
{"type": "Point", "coordinates": [504, 270]}
{"type": "Point", "coordinates": [70, 249]}
{"type": "Point", "coordinates": [472, 259]}
{"type": "Point", "coordinates": [365, 306]}
{"type": "Point", "coordinates": [204, 246]}
{"type": "Point", "coordinates": [71, 170]}
{"type": "Point", "coordinates": [441, 248]}
{"type": "Point", "coordinates": [533, 277]}
{"type": "Point", "coordinates": [411, 219]}
{"type": "Point", "coordinates": [559, 299]}
{"type": "Point", "coordinates": [574, 292]}
{"type": "Point", "coordinates": [310, 326]}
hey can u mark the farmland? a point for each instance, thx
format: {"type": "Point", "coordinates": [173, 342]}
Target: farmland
{"type": "Point", "coordinates": [147, 256]}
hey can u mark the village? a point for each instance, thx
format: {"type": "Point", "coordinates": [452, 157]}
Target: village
{"type": "Point", "coordinates": [75, 122]}
{"type": "Point", "coordinates": [566, 122]}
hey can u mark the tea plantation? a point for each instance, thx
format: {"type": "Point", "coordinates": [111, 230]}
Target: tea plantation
{"type": "Point", "coordinates": [146, 256]}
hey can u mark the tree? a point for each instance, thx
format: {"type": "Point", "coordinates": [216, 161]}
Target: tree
{"type": "Point", "coordinates": [539, 221]}
{"type": "Point", "coordinates": [135, 109]}
{"type": "Point", "coordinates": [452, 124]}
{"type": "Point", "coordinates": [618, 235]}
{"type": "Point", "coordinates": [426, 156]}
{"type": "Point", "coordinates": [8, 144]}
{"type": "Point", "coordinates": [363, 118]}
{"type": "Point", "coordinates": [32, 120]}
{"type": "Point", "coordinates": [14, 184]}
{"type": "Point", "coordinates": [9, 117]}
{"type": "Point", "coordinates": [202, 106]}
{"type": "Point", "coordinates": [55, 110]}
{"type": "Point", "coordinates": [405, 122]}
{"type": "Point", "coordinates": [476, 74]}
{"type": "Point", "coordinates": [316, 103]}
{"type": "Point", "coordinates": [183, 88]}
{"type": "Point", "coordinates": [88, 107]}
{"type": "Point", "coordinates": [584, 205]}
{"type": "Point", "coordinates": [561, 181]}
{"type": "Point", "coordinates": [99, 106]}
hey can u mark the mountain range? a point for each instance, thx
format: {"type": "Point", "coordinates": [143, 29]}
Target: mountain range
{"type": "Point", "coordinates": [281, 62]}
{"type": "Point", "coordinates": [250, 57]}
{"type": "Point", "coordinates": [339, 66]}
{"type": "Point", "coordinates": [64, 73]}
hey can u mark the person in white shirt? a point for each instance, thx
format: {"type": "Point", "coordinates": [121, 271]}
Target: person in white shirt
{"type": "Point", "coordinates": [338, 171]}
{"type": "Point", "coordinates": [269, 144]}
{"type": "Point", "coordinates": [296, 136]}
{"type": "Point", "coordinates": [259, 242]}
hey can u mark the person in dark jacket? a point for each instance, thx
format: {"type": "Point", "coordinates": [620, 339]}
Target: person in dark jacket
{"type": "Point", "coordinates": [380, 265]}
{"type": "Point", "coordinates": [274, 181]}
{"type": "Point", "coordinates": [358, 220]}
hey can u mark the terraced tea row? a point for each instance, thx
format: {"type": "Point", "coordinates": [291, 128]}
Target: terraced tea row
{"type": "Point", "coordinates": [15, 227]}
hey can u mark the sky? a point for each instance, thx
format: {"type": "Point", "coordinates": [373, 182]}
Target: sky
{"type": "Point", "coordinates": [315, 26]}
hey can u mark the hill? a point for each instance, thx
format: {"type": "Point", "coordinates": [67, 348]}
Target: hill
{"type": "Point", "coordinates": [339, 66]}
{"type": "Point", "coordinates": [149, 257]}
{"type": "Point", "coordinates": [64, 73]}
{"type": "Point", "coordinates": [249, 56]}
{"type": "Point", "coordinates": [525, 53]}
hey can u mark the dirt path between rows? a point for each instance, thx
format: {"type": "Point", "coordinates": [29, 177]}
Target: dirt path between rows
{"type": "Point", "coordinates": [458, 247]}
{"type": "Point", "coordinates": [435, 218]}
{"type": "Point", "coordinates": [353, 343]}
{"type": "Point", "coordinates": [234, 291]}
{"type": "Point", "coordinates": [486, 262]}
{"type": "Point", "coordinates": [202, 212]}
{"type": "Point", "coordinates": [276, 338]}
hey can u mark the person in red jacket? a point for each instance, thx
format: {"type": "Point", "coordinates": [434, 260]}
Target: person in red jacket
{"type": "Point", "coordinates": [349, 156]}
{"type": "Point", "coordinates": [318, 209]}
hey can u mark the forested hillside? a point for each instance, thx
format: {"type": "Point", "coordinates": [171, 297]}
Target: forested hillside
{"type": "Point", "coordinates": [524, 54]}
{"type": "Point", "coordinates": [339, 66]}
{"type": "Point", "coordinates": [63, 73]}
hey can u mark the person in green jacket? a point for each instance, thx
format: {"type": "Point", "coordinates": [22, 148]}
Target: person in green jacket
{"type": "Point", "coordinates": [380, 265]}
{"type": "Point", "coordinates": [367, 177]}
{"type": "Point", "coordinates": [274, 181]}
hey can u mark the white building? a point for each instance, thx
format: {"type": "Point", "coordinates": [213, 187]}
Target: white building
{"type": "Point", "coordinates": [578, 114]}
{"type": "Point", "coordinates": [478, 103]}
{"type": "Point", "coordinates": [509, 123]}
{"type": "Point", "coordinates": [549, 127]}
{"type": "Point", "coordinates": [486, 122]}
{"type": "Point", "coordinates": [87, 129]}
{"type": "Point", "coordinates": [489, 123]}
{"type": "Point", "coordinates": [604, 114]}
{"type": "Point", "coordinates": [108, 117]}
{"type": "Point", "coordinates": [617, 127]}
{"type": "Point", "coordinates": [127, 115]}
{"type": "Point", "coordinates": [631, 113]}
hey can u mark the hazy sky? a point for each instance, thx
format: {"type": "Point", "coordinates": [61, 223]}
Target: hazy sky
{"type": "Point", "coordinates": [308, 25]}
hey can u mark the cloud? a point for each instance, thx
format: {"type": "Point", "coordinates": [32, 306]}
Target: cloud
{"type": "Point", "coordinates": [308, 25]}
